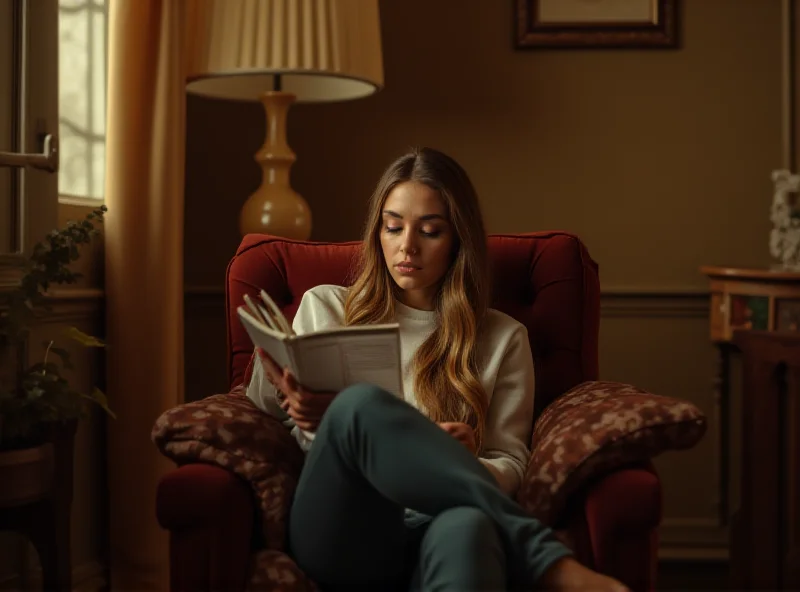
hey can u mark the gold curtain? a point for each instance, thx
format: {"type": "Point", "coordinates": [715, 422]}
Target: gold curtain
{"type": "Point", "coordinates": [148, 41]}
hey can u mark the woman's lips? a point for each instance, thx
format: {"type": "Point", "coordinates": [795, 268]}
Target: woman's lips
{"type": "Point", "coordinates": [406, 268]}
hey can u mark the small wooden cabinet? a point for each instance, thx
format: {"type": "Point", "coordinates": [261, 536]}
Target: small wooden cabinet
{"type": "Point", "coordinates": [757, 312]}
{"type": "Point", "coordinates": [765, 533]}
{"type": "Point", "coordinates": [742, 299]}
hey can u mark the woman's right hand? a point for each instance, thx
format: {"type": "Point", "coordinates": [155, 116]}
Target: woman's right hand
{"type": "Point", "coordinates": [305, 407]}
{"type": "Point", "coordinates": [461, 432]}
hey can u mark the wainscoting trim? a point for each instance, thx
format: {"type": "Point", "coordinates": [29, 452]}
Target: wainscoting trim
{"type": "Point", "coordinates": [614, 302]}
{"type": "Point", "coordinates": [654, 304]}
{"type": "Point", "coordinates": [12, 268]}
{"type": "Point", "coordinates": [73, 294]}
{"type": "Point", "coordinates": [195, 291]}
{"type": "Point", "coordinates": [693, 538]}
{"type": "Point", "coordinates": [75, 304]}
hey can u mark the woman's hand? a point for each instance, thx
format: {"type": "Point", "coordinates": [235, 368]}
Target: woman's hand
{"type": "Point", "coordinates": [461, 432]}
{"type": "Point", "coordinates": [305, 407]}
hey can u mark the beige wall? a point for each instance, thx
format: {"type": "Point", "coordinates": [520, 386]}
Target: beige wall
{"type": "Point", "coordinates": [638, 151]}
{"type": "Point", "coordinates": [660, 160]}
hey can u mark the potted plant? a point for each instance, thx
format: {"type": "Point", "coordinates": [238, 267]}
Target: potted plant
{"type": "Point", "coordinates": [39, 409]}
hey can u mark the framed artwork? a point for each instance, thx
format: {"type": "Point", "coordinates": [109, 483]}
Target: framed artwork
{"type": "Point", "coordinates": [643, 24]}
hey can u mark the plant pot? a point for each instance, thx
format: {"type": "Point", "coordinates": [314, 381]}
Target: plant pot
{"type": "Point", "coordinates": [26, 474]}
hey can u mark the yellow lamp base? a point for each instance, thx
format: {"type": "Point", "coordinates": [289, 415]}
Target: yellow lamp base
{"type": "Point", "coordinates": [275, 208]}
{"type": "Point", "coordinates": [279, 211]}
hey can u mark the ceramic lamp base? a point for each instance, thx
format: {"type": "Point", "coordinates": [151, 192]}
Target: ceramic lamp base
{"type": "Point", "coordinates": [275, 208]}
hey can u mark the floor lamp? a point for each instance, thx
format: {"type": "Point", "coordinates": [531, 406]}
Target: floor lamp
{"type": "Point", "coordinates": [281, 52]}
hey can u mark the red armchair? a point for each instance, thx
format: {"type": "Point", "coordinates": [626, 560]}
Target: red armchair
{"type": "Point", "coordinates": [547, 281]}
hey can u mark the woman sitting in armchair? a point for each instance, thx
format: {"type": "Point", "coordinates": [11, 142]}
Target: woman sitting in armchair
{"type": "Point", "coordinates": [418, 494]}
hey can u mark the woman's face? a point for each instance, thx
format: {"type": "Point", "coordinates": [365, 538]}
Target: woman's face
{"type": "Point", "coordinates": [417, 242]}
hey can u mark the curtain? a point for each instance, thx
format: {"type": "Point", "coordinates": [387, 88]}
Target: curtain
{"type": "Point", "coordinates": [148, 42]}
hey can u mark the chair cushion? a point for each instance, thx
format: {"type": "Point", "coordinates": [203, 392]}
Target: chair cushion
{"type": "Point", "coordinates": [598, 427]}
{"type": "Point", "coordinates": [231, 432]}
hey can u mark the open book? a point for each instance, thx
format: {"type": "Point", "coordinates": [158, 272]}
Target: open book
{"type": "Point", "coordinates": [327, 360]}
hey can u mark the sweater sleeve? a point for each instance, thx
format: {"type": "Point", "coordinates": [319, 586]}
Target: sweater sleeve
{"type": "Point", "coordinates": [506, 448]}
{"type": "Point", "coordinates": [317, 310]}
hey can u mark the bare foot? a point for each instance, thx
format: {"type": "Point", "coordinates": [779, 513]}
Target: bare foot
{"type": "Point", "coordinates": [567, 575]}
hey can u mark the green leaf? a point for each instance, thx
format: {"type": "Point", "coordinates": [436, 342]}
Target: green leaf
{"type": "Point", "coordinates": [100, 398]}
{"type": "Point", "coordinates": [35, 392]}
{"type": "Point", "coordinates": [63, 354]}
{"type": "Point", "coordinates": [40, 394]}
{"type": "Point", "coordinates": [83, 338]}
{"type": "Point", "coordinates": [43, 372]}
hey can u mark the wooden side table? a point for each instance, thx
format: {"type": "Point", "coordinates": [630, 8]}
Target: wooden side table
{"type": "Point", "coordinates": [39, 504]}
{"type": "Point", "coordinates": [765, 537]}
{"type": "Point", "coordinates": [744, 300]}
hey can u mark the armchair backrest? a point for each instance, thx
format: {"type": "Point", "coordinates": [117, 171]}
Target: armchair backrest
{"type": "Point", "coordinates": [545, 280]}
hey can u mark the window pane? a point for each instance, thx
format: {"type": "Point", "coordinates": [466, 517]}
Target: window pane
{"type": "Point", "coordinates": [82, 97]}
{"type": "Point", "coordinates": [7, 135]}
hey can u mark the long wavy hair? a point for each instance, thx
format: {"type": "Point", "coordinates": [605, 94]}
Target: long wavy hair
{"type": "Point", "coordinates": [446, 375]}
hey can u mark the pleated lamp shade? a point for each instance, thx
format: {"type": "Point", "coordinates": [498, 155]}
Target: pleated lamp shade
{"type": "Point", "coordinates": [281, 52]}
{"type": "Point", "coordinates": [324, 50]}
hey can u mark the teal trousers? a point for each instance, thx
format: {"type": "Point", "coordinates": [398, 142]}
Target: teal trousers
{"type": "Point", "coordinates": [387, 500]}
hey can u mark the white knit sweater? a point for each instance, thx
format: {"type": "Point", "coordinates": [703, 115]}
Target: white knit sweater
{"type": "Point", "coordinates": [505, 361]}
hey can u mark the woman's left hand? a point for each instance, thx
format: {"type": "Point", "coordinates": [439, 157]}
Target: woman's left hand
{"type": "Point", "coordinates": [461, 432]}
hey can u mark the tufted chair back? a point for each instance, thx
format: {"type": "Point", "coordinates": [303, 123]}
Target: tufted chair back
{"type": "Point", "coordinates": [545, 280]}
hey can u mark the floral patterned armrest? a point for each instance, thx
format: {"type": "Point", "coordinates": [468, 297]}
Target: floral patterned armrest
{"type": "Point", "coordinates": [231, 432]}
{"type": "Point", "coordinates": [598, 427]}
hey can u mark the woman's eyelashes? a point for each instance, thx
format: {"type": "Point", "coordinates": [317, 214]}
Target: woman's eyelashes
{"type": "Point", "coordinates": [423, 232]}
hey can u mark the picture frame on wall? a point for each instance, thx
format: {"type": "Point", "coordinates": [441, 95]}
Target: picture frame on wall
{"type": "Point", "coordinates": [642, 24]}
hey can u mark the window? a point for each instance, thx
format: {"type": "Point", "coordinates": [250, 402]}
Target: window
{"type": "Point", "coordinates": [82, 51]}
